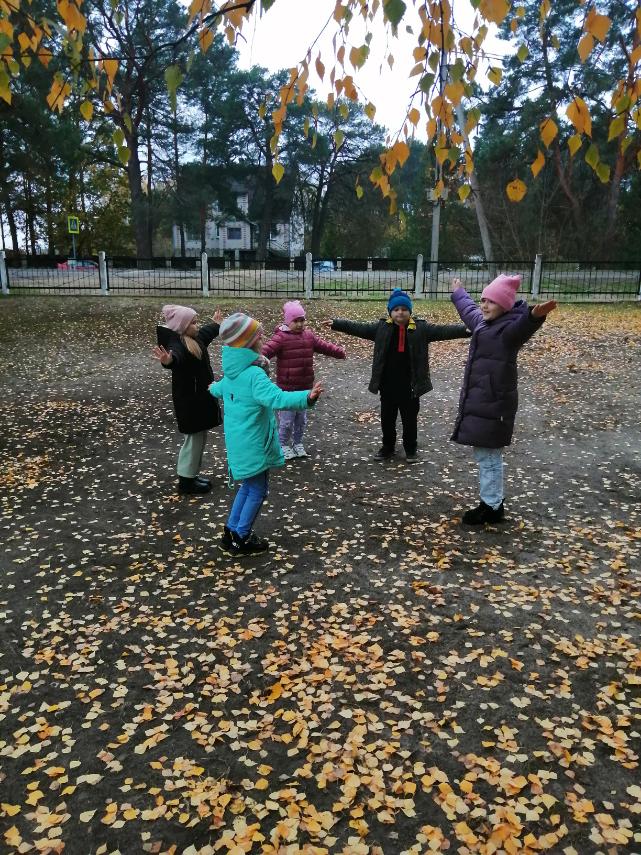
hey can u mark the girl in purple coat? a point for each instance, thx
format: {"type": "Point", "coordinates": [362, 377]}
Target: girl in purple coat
{"type": "Point", "coordinates": [489, 395]}
{"type": "Point", "coordinates": [294, 346]}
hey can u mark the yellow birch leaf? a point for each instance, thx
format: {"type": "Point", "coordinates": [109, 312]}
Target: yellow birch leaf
{"type": "Point", "coordinates": [597, 25]}
{"type": "Point", "coordinates": [205, 38]}
{"type": "Point", "coordinates": [603, 171]}
{"type": "Point", "coordinates": [585, 46]}
{"type": "Point", "coordinates": [414, 116]}
{"type": "Point", "coordinates": [359, 191]}
{"type": "Point", "coordinates": [516, 190]}
{"type": "Point", "coordinates": [10, 810]}
{"type": "Point", "coordinates": [401, 151]}
{"type": "Point", "coordinates": [111, 68]}
{"type": "Point", "coordinates": [320, 68]}
{"type": "Point", "coordinates": [494, 10]}
{"type": "Point", "coordinates": [86, 109]}
{"type": "Point", "coordinates": [639, 158]}
{"type": "Point", "coordinates": [538, 164]}
{"type": "Point", "coordinates": [548, 131]}
{"type": "Point", "coordinates": [578, 113]}
{"type": "Point", "coordinates": [495, 74]}
{"type": "Point", "coordinates": [370, 111]}
{"type": "Point", "coordinates": [261, 784]}
{"type": "Point", "coordinates": [464, 191]}
{"type": "Point", "coordinates": [617, 127]}
{"type": "Point", "coordinates": [5, 92]}
{"type": "Point", "coordinates": [455, 92]}
{"type": "Point", "coordinates": [45, 56]}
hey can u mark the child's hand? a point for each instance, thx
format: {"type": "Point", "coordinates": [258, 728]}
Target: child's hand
{"type": "Point", "coordinates": [165, 356]}
{"type": "Point", "coordinates": [218, 316]}
{"type": "Point", "coordinates": [456, 283]}
{"type": "Point", "coordinates": [542, 310]}
{"type": "Point", "coordinates": [327, 323]}
{"type": "Point", "coordinates": [317, 391]}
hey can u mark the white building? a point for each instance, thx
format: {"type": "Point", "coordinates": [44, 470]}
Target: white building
{"type": "Point", "coordinates": [224, 235]}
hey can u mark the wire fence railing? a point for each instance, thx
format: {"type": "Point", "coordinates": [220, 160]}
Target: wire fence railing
{"type": "Point", "coordinates": [308, 277]}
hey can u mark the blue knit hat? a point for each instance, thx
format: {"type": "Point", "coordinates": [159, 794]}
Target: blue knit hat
{"type": "Point", "coordinates": [399, 298]}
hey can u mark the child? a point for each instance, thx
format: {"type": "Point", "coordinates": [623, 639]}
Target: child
{"type": "Point", "coordinates": [400, 366]}
{"type": "Point", "coordinates": [251, 437]}
{"type": "Point", "coordinates": [489, 397]}
{"type": "Point", "coordinates": [191, 374]}
{"type": "Point", "coordinates": [295, 345]}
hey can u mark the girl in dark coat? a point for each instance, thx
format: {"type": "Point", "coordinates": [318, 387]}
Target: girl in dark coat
{"type": "Point", "coordinates": [489, 395]}
{"type": "Point", "coordinates": [191, 374]}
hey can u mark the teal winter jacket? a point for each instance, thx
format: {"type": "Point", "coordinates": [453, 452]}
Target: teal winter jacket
{"type": "Point", "coordinates": [250, 398]}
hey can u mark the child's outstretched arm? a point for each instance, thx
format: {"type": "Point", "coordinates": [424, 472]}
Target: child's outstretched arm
{"type": "Point", "coordinates": [327, 348]}
{"type": "Point", "coordinates": [446, 332]}
{"type": "Point", "coordinates": [356, 328]}
{"type": "Point", "coordinates": [209, 331]}
{"type": "Point", "coordinates": [271, 347]}
{"type": "Point", "coordinates": [269, 395]}
{"type": "Point", "coordinates": [523, 329]}
{"type": "Point", "coordinates": [216, 389]}
{"type": "Point", "coordinates": [469, 312]}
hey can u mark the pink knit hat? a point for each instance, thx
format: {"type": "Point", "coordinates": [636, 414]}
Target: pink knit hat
{"type": "Point", "coordinates": [178, 318]}
{"type": "Point", "coordinates": [292, 311]}
{"type": "Point", "coordinates": [502, 291]}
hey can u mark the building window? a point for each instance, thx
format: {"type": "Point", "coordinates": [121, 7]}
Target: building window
{"type": "Point", "coordinates": [234, 233]}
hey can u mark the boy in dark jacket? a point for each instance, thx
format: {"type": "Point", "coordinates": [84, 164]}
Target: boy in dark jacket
{"type": "Point", "coordinates": [489, 395]}
{"type": "Point", "coordinates": [400, 366]}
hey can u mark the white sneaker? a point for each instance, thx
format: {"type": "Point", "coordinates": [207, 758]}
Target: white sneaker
{"type": "Point", "coordinates": [288, 452]}
{"type": "Point", "coordinates": [299, 450]}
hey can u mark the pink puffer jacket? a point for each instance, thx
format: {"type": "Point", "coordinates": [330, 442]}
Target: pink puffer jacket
{"type": "Point", "coordinates": [295, 354]}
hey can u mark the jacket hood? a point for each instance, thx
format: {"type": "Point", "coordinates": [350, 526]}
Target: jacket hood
{"type": "Point", "coordinates": [236, 360]}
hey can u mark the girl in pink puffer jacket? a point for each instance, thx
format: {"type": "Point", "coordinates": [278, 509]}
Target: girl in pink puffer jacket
{"type": "Point", "coordinates": [294, 347]}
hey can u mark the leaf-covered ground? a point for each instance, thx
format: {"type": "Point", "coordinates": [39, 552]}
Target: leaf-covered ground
{"type": "Point", "coordinates": [384, 681]}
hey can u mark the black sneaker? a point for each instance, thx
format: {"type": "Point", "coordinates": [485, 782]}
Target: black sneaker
{"type": "Point", "coordinates": [226, 540]}
{"type": "Point", "coordinates": [484, 514]}
{"type": "Point", "coordinates": [192, 487]}
{"type": "Point", "coordinates": [202, 480]}
{"type": "Point", "coordinates": [411, 456]}
{"type": "Point", "coordinates": [248, 545]}
{"type": "Point", "coordinates": [384, 453]}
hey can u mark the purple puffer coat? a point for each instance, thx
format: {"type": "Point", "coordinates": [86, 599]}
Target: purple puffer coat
{"type": "Point", "coordinates": [295, 353]}
{"type": "Point", "coordinates": [489, 395]}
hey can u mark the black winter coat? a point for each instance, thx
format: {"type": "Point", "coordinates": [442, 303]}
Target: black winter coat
{"type": "Point", "coordinates": [489, 395]}
{"type": "Point", "coordinates": [195, 408]}
{"type": "Point", "coordinates": [419, 335]}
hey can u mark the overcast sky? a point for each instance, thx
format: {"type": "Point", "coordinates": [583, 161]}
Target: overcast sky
{"type": "Point", "coordinates": [282, 36]}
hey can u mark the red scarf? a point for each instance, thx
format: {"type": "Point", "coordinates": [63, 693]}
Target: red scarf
{"type": "Point", "coordinates": [401, 339]}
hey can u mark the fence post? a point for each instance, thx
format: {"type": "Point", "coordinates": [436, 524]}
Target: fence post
{"type": "Point", "coordinates": [639, 292]}
{"type": "Point", "coordinates": [339, 263]}
{"type": "Point", "coordinates": [536, 276]}
{"type": "Point", "coordinates": [102, 273]}
{"type": "Point", "coordinates": [236, 259]}
{"type": "Point", "coordinates": [418, 277]}
{"type": "Point", "coordinates": [204, 273]}
{"type": "Point", "coordinates": [369, 264]}
{"type": "Point", "coordinates": [308, 277]}
{"type": "Point", "coordinates": [4, 281]}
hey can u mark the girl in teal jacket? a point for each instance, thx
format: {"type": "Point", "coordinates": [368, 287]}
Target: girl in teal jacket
{"type": "Point", "coordinates": [251, 433]}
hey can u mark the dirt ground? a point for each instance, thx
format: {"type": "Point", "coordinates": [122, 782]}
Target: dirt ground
{"type": "Point", "coordinates": [384, 680]}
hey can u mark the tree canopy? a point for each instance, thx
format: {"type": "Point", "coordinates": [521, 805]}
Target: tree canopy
{"type": "Point", "coordinates": [100, 57]}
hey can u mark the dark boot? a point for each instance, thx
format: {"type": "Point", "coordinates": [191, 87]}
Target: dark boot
{"type": "Point", "coordinates": [202, 480]}
{"type": "Point", "coordinates": [226, 540]}
{"type": "Point", "coordinates": [192, 487]}
{"type": "Point", "coordinates": [248, 545]}
{"type": "Point", "coordinates": [484, 514]}
{"type": "Point", "coordinates": [384, 453]}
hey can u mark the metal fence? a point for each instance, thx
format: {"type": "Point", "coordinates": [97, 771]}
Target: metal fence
{"type": "Point", "coordinates": [309, 277]}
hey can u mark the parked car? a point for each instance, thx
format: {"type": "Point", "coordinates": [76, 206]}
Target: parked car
{"type": "Point", "coordinates": [77, 264]}
{"type": "Point", "coordinates": [323, 266]}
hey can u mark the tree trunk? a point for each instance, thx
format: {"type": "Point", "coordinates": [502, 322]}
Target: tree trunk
{"type": "Point", "coordinates": [51, 249]}
{"type": "Point", "coordinates": [29, 214]}
{"type": "Point", "coordinates": [181, 227]}
{"type": "Point", "coordinates": [150, 209]}
{"type": "Point", "coordinates": [138, 206]}
{"type": "Point", "coordinates": [484, 228]}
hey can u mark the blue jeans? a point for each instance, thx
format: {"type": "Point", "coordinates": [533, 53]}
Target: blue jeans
{"type": "Point", "coordinates": [490, 461]}
{"type": "Point", "coordinates": [248, 502]}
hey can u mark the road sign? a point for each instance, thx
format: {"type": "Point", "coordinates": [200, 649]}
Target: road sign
{"type": "Point", "coordinates": [73, 225]}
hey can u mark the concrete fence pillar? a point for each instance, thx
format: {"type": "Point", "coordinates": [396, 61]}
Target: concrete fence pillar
{"type": "Point", "coordinates": [308, 279]}
{"type": "Point", "coordinates": [418, 278]}
{"type": "Point", "coordinates": [4, 279]}
{"type": "Point", "coordinates": [204, 273]}
{"type": "Point", "coordinates": [536, 275]}
{"type": "Point", "coordinates": [102, 273]}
